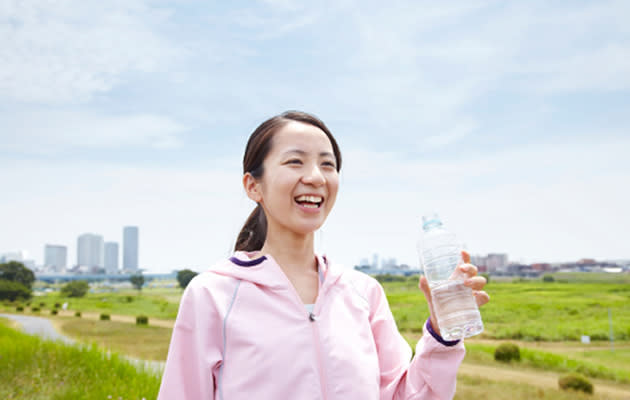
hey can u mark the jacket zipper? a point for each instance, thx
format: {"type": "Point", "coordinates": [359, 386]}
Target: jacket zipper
{"type": "Point", "coordinates": [312, 319]}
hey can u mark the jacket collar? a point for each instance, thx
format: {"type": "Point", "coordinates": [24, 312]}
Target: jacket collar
{"type": "Point", "coordinates": [264, 270]}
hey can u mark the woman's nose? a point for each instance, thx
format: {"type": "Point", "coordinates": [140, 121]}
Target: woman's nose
{"type": "Point", "coordinates": [314, 176]}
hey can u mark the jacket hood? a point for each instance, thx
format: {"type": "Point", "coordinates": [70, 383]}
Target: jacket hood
{"type": "Point", "coordinates": [265, 271]}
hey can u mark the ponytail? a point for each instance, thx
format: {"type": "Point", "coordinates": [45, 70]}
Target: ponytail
{"type": "Point", "coordinates": [253, 233]}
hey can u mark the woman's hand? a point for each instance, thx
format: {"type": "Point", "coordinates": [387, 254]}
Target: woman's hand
{"type": "Point", "coordinates": [467, 271]}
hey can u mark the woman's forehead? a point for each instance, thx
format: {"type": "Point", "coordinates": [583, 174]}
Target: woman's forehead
{"type": "Point", "coordinates": [300, 137]}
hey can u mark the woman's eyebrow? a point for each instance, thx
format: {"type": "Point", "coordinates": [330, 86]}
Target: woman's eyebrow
{"type": "Point", "coordinates": [303, 153]}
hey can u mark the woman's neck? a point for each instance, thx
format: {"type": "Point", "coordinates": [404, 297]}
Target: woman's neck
{"type": "Point", "coordinates": [294, 253]}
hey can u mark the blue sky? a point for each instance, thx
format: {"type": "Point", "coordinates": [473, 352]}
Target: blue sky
{"type": "Point", "coordinates": [510, 119]}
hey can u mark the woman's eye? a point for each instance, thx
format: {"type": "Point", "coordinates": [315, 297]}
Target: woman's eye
{"type": "Point", "coordinates": [328, 164]}
{"type": "Point", "coordinates": [294, 161]}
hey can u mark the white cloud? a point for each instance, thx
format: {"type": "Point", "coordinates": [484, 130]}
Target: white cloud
{"type": "Point", "coordinates": [60, 52]}
{"type": "Point", "coordinates": [51, 131]}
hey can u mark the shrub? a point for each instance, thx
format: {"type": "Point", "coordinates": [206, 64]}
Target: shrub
{"type": "Point", "coordinates": [10, 290]}
{"type": "Point", "coordinates": [548, 278]}
{"type": "Point", "coordinates": [34, 309]}
{"type": "Point", "coordinates": [77, 314]}
{"type": "Point", "coordinates": [507, 352]}
{"type": "Point", "coordinates": [75, 289]}
{"type": "Point", "coordinates": [142, 320]}
{"type": "Point", "coordinates": [19, 308]}
{"type": "Point", "coordinates": [57, 305]}
{"type": "Point", "coordinates": [54, 311]}
{"type": "Point", "coordinates": [105, 317]}
{"type": "Point", "coordinates": [129, 299]}
{"type": "Point", "coordinates": [42, 304]}
{"type": "Point", "coordinates": [575, 381]}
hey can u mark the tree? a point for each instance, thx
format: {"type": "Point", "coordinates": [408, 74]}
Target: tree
{"type": "Point", "coordinates": [16, 272]}
{"type": "Point", "coordinates": [10, 290]}
{"type": "Point", "coordinates": [184, 277]}
{"type": "Point", "coordinates": [75, 289]}
{"type": "Point", "coordinates": [137, 281]}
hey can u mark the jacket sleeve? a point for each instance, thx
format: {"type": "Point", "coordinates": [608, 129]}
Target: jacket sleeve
{"type": "Point", "coordinates": [195, 349]}
{"type": "Point", "coordinates": [431, 374]}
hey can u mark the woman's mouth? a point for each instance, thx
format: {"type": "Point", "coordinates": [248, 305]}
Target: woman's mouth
{"type": "Point", "coordinates": [308, 201]}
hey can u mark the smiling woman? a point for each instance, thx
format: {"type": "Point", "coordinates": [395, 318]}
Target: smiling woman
{"type": "Point", "coordinates": [276, 320]}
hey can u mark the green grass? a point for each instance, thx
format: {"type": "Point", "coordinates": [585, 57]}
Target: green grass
{"type": "Point", "coordinates": [595, 367]}
{"type": "Point", "coordinates": [34, 369]}
{"type": "Point", "coordinates": [156, 303]}
{"type": "Point", "coordinates": [531, 311]}
{"type": "Point", "coordinates": [139, 341]}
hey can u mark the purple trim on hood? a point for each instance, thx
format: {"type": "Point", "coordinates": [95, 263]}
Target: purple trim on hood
{"type": "Point", "coordinates": [438, 337]}
{"type": "Point", "coordinates": [249, 263]}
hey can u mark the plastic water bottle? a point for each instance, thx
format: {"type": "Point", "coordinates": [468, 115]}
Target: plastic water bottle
{"type": "Point", "coordinates": [455, 307]}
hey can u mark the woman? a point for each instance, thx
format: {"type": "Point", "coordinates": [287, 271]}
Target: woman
{"type": "Point", "coordinates": [277, 321]}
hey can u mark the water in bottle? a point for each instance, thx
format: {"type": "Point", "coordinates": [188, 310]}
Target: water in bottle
{"type": "Point", "coordinates": [455, 307]}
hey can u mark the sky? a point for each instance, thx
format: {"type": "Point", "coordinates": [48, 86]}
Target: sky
{"type": "Point", "coordinates": [509, 119]}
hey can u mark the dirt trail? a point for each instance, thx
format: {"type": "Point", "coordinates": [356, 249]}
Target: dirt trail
{"type": "Point", "coordinates": [545, 380]}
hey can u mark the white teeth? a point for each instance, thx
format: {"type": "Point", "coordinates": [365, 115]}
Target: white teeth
{"type": "Point", "coordinates": [310, 199]}
{"type": "Point", "coordinates": [310, 205]}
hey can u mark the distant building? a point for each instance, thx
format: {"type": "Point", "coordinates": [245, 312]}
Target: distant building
{"type": "Point", "coordinates": [90, 251]}
{"type": "Point", "coordinates": [375, 264]}
{"type": "Point", "coordinates": [18, 256]}
{"type": "Point", "coordinates": [496, 262]}
{"type": "Point", "coordinates": [55, 258]}
{"type": "Point", "coordinates": [111, 257]}
{"type": "Point", "coordinates": [130, 248]}
{"type": "Point", "coordinates": [389, 263]}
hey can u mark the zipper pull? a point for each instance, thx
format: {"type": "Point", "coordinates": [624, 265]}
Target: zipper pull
{"type": "Point", "coordinates": [312, 317]}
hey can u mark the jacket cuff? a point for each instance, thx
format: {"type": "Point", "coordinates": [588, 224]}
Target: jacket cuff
{"type": "Point", "coordinates": [439, 338]}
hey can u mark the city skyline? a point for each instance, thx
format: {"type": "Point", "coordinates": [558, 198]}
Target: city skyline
{"type": "Point", "coordinates": [509, 119]}
{"type": "Point", "coordinates": [92, 251]}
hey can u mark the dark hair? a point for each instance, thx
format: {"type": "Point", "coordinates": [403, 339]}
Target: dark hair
{"type": "Point", "coordinates": [254, 232]}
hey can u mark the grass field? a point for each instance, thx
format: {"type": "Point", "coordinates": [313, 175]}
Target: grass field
{"type": "Point", "coordinates": [33, 369]}
{"type": "Point", "coordinates": [531, 311]}
{"type": "Point", "coordinates": [545, 319]}
{"type": "Point", "coordinates": [158, 303]}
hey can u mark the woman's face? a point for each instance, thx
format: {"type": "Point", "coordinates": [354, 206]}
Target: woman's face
{"type": "Point", "coordinates": [300, 180]}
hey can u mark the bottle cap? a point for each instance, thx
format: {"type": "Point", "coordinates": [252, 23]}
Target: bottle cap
{"type": "Point", "coordinates": [431, 221]}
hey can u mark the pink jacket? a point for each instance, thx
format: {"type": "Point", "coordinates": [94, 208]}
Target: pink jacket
{"type": "Point", "coordinates": [242, 332]}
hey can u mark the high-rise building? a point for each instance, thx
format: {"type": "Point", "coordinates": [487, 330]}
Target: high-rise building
{"type": "Point", "coordinates": [90, 251]}
{"type": "Point", "coordinates": [55, 257]}
{"type": "Point", "coordinates": [111, 257]}
{"type": "Point", "coordinates": [130, 248]}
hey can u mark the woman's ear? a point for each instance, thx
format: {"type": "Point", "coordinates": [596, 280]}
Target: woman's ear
{"type": "Point", "coordinates": [252, 187]}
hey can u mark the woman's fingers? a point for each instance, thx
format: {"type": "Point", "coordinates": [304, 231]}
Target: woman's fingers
{"type": "Point", "coordinates": [467, 269]}
{"type": "Point", "coordinates": [465, 257]}
{"type": "Point", "coordinates": [475, 283]}
{"type": "Point", "coordinates": [481, 297]}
